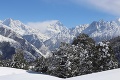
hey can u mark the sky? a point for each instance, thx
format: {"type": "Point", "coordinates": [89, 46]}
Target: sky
{"type": "Point", "coordinates": [69, 12]}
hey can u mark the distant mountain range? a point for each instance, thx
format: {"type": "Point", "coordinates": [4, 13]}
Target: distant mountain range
{"type": "Point", "coordinates": [35, 43]}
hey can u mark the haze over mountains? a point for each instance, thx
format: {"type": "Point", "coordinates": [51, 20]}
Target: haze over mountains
{"type": "Point", "coordinates": [36, 42]}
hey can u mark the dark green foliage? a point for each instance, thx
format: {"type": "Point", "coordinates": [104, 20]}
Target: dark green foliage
{"type": "Point", "coordinates": [18, 60]}
{"type": "Point", "coordinates": [115, 45]}
{"type": "Point", "coordinates": [82, 57]}
{"type": "Point", "coordinates": [74, 60]}
{"type": "Point", "coordinates": [61, 61]}
{"type": "Point", "coordinates": [40, 65]}
{"type": "Point", "coordinates": [86, 48]}
{"type": "Point", "coordinates": [104, 59]}
{"type": "Point", "coordinates": [82, 38]}
{"type": "Point", "coordinates": [5, 63]}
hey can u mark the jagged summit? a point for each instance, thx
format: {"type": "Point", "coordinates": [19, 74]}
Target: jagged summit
{"type": "Point", "coordinates": [7, 21]}
{"type": "Point", "coordinates": [17, 26]}
{"type": "Point", "coordinates": [55, 27]}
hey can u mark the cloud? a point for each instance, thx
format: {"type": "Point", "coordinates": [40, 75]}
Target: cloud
{"type": "Point", "coordinates": [109, 6]}
{"type": "Point", "coordinates": [42, 26]}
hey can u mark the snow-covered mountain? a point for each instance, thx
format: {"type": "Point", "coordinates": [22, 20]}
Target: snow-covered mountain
{"type": "Point", "coordinates": [16, 26]}
{"type": "Point", "coordinates": [21, 28]}
{"type": "Point", "coordinates": [103, 30]}
{"type": "Point", "coordinates": [98, 30]}
{"type": "Point", "coordinates": [11, 40]}
{"type": "Point", "coordinates": [55, 32]}
{"type": "Point", "coordinates": [53, 28]}
{"type": "Point", "coordinates": [78, 29]}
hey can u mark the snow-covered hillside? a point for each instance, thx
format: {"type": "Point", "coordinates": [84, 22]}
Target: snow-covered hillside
{"type": "Point", "coordinates": [105, 75]}
{"type": "Point", "coordinates": [18, 74]}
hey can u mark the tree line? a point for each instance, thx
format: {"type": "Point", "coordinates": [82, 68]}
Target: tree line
{"type": "Point", "coordinates": [82, 56]}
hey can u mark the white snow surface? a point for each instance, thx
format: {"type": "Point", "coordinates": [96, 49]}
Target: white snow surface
{"type": "Point", "coordinates": [19, 74]}
{"type": "Point", "coordinates": [10, 71]}
{"type": "Point", "coordinates": [6, 39]}
{"type": "Point", "coordinates": [105, 75]}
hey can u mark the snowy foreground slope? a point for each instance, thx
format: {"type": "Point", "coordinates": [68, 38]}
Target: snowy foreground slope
{"type": "Point", "coordinates": [17, 74]}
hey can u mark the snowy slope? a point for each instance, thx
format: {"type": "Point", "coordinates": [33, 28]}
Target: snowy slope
{"type": "Point", "coordinates": [8, 71]}
{"type": "Point", "coordinates": [18, 74]}
{"type": "Point", "coordinates": [5, 39]}
{"type": "Point", "coordinates": [105, 75]}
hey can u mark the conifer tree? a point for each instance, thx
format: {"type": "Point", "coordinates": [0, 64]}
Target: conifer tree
{"type": "Point", "coordinates": [41, 65]}
{"type": "Point", "coordinates": [105, 58]}
{"type": "Point", "coordinates": [18, 60]}
{"type": "Point", "coordinates": [86, 46]}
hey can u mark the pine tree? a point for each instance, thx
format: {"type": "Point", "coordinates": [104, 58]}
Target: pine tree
{"type": "Point", "coordinates": [86, 46]}
{"type": "Point", "coordinates": [83, 39]}
{"type": "Point", "coordinates": [1, 63]}
{"type": "Point", "coordinates": [105, 58]}
{"type": "Point", "coordinates": [60, 61]}
{"type": "Point", "coordinates": [41, 65]}
{"type": "Point", "coordinates": [18, 60]}
{"type": "Point", "coordinates": [74, 60]}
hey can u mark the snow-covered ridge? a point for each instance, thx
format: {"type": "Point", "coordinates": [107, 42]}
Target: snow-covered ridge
{"type": "Point", "coordinates": [103, 30]}
{"type": "Point", "coordinates": [5, 39]}
{"type": "Point", "coordinates": [17, 26]}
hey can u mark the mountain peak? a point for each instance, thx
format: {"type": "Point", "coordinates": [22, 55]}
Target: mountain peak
{"type": "Point", "coordinates": [54, 23]}
{"type": "Point", "coordinates": [8, 21]}
{"type": "Point", "coordinates": [57, 21]}
{"type": "Point", "coordinates": [101, 21]}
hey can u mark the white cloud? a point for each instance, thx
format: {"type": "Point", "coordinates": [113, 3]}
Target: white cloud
{"type": "Point", "coordinates": [42, 26]}
{"type": "Point", "coordinates": [109, 6]}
